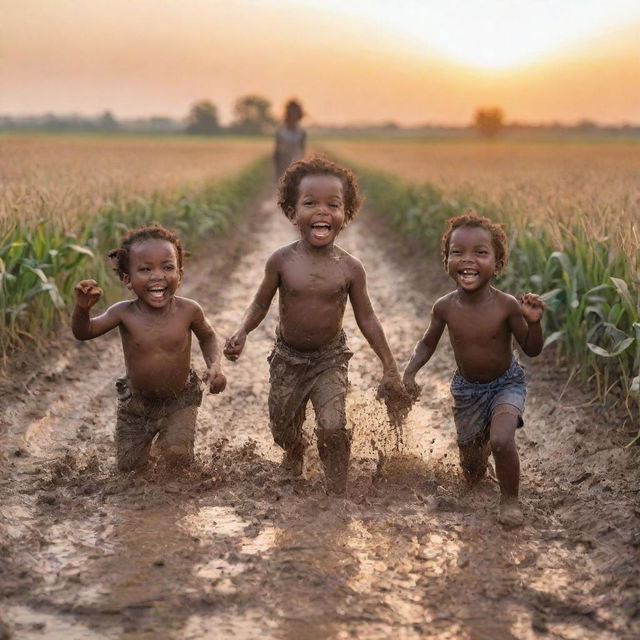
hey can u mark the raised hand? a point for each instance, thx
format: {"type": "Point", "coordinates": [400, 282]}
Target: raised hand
{"type": "Point", "coordinates": [532, 306]}
{"type": "Point", "coordinates": [87, 293]}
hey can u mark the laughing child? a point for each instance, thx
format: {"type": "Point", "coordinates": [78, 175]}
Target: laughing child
{"type": "Point", "coordinates": [489, 386]}
{"type": "Point", "coordinates": [160, 393]}
{"type": "Point", "coordinates": [314, 278]}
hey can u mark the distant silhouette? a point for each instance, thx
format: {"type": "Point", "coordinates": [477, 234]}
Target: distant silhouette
{"type": "Point", "coordinates": [489, 121]}
{"type": "Point", "coordinates": [290, 138]}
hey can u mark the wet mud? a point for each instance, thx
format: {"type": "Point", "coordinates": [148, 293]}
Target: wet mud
{"type": "Point", "coordinates": [234, 547]}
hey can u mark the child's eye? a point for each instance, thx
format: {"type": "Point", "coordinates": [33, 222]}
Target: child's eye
{"type": "Point", "coordinates": [169, 267]}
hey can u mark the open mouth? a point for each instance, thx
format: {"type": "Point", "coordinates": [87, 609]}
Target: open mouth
{"type": "Point", "coordinates": [321, 229]}
{"type": "Point", "coordinates": [157, 293]}
{"type": "Point", "coordinates": [468, 276]}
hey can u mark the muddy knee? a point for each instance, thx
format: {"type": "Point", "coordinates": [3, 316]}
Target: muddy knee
{"type": "Point", "coordinates": [501, 444]}
{"type": "Point", "coordinates": [504, 422]}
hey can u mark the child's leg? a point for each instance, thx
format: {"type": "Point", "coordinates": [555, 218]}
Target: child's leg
{"type": "Point", "coordinates": [334, 442]}
{"type": "Point", "coordinates": [286, 427]}
{"type": "Point", "coordinates": [134, 435]}
{"type": "Point", "coordinates": [504, 422]}
{"type": "Point", "coordinates": [175, 440]}
{"type": "Point", "coordinates": [135, 429]}
{"type": "Point", "coordinates": [474, 456]}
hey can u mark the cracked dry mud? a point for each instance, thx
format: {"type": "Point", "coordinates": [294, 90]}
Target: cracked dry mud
{"type": "Point", "coordinates": [237, 549]}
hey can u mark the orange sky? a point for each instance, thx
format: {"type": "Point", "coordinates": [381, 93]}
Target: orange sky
{"type": "Point", "coordinates": [379, 60]}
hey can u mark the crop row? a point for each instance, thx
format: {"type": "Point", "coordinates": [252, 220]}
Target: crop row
{"type": "Point", "coordinates": [40, 263]}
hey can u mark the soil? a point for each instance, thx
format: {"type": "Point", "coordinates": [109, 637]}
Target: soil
{"type": "Point", "coordinates": [236, 548]}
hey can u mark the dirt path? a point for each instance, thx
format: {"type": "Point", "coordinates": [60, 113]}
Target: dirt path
{"type": "Point", "coordinates": [236, 549]}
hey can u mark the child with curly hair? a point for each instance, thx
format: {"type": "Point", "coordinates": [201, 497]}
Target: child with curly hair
{"type": "Point", "coordinates": [314, 278]}
{"type": "Point", "coordinates": [160, 394]}
{"type": "Point", "coordinates": [489, 386]}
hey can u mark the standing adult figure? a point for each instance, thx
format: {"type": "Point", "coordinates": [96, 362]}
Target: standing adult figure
{"type": "Point", "coordinates": [290, 138]}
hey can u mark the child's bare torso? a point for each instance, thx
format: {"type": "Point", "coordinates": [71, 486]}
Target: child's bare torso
{"type": "Point", "coordinates": [480, 334]}
{"type": "Point", "coordinates": [157, 347]}
{"type": "Point", "coordinates": [313, 292]}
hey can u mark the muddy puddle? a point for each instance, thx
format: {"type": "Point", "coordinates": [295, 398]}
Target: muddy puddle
{"type": "Point", "coordinates": [234, 548]}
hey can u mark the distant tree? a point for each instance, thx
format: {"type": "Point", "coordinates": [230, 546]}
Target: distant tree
{"type": "Point", "coordinates": [106, 122]}
{"type": "Point", "coordinates": [586, 125]}
{"type": "Point", "coordinates": [203, 119]}
{"type": "Point", "coordinates": [489, 121]}
{"type": "Point", "coordinates": [252, 115]}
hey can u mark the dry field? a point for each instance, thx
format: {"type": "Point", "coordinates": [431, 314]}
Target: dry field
{"type": "Point", "coordinates": [530, 180]}
{"type": "Point", "coordinates": [59, 177]}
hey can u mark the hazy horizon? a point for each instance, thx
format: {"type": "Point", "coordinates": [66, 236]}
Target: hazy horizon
{"type": "Point", "coordinates": [409, 62]}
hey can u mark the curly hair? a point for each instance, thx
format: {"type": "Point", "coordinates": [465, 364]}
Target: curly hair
{"type": "Point", "coordinates": [154, 231]}
{"type": "Point", "coordinates": [318, 165]}
{"type": "Point", "coordinates": [470, 218]}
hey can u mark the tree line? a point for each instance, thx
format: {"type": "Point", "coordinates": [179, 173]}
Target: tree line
{"type": "Point", "coordinates": [252, 115]}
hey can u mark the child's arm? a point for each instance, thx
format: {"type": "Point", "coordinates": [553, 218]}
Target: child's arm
{"type": "Point", "coordinates": [424, 349]}
{"type": "Point", "coordinates": [256, 311]}
{"type": "Point", "coordinates": [210, 347]}
{"type": "Point", "coordinates": [85, 327]}
{"type": "Point", "coordinates": [524, 321]}
{"type": "Point", "coordinates": [368, 321]}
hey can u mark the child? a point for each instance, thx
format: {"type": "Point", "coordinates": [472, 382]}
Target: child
{"type": "Point", "coordinates": [160, 393]}
{"type": "Point", "coordinates": [290, 139]}
{"type": "Point", "coordinates": [314, 278]}
{"type": "Point", "coordinates": [489, 386]}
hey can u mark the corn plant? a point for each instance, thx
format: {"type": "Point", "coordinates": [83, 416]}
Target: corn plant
{"type": "Point", "coordinates": [40, 263]}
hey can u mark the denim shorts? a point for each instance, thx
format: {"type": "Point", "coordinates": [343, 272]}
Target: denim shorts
{"type": "Point", "coordinates": [474, 402]}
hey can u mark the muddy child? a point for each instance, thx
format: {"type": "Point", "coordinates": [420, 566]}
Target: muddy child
{"type": "Point", "coordinates": [161, 393]}
{"type": "Point", "coordinates": [488, 387]}
{"type": "Point", "coordinates": [315, 278]}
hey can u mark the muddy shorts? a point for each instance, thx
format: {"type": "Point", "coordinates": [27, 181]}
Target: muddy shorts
{"type": "Point", "coordinates": [299, 376]}
{"type": "Point", "coordinates": [140, 419]}
{"type": "Point", "coordinates": [474, 402]}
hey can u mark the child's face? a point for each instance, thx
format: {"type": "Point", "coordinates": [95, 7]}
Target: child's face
{"type": "Point", "coordinates": [472, 258]}
{"type": "Point", "coordinates": [153, 275]}
{"type": "Point", "coordinates": [319, 212]}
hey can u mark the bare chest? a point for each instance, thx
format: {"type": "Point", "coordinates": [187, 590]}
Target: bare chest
{"type": "Point", "coordinates": [170, 335]}
{"type": "Point", "coordinates": [322, 280]}
{"type": "Point", "coordinates": [482, 327]}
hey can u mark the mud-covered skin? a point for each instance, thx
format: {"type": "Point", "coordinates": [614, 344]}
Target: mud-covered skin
{"type": "Point", "coordinates": [238, 547]}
